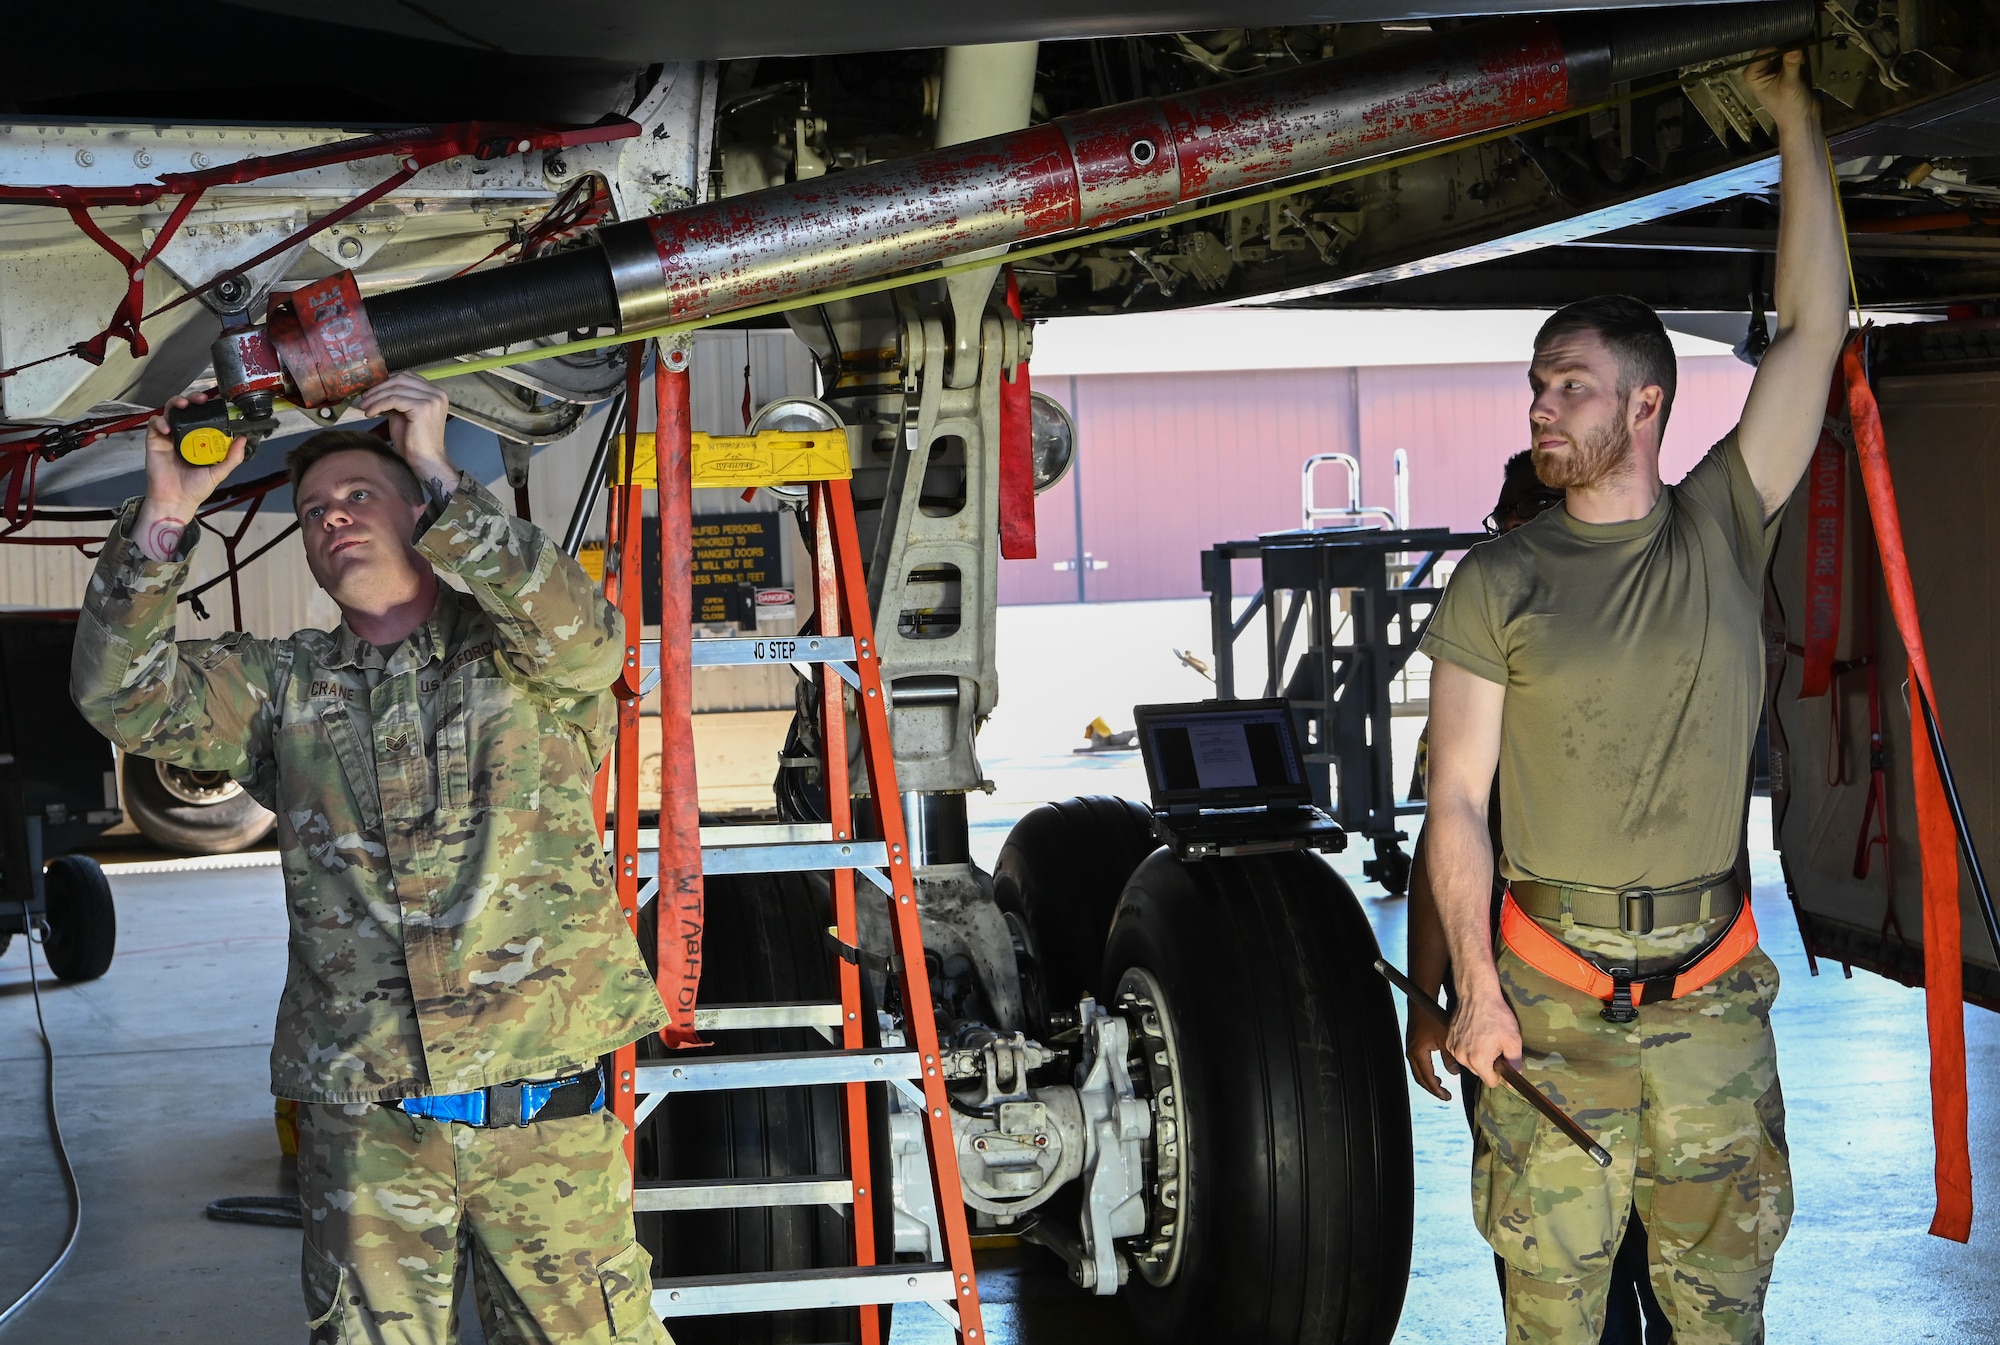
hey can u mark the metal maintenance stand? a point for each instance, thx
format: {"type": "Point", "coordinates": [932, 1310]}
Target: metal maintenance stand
{"type": "Point", "coordinates": [1340, 686]}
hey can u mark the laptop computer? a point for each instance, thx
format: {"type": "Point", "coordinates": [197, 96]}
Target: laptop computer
{"type": "Point", "coordinates": [1228, 778]}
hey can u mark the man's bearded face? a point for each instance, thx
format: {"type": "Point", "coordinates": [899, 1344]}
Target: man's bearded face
{"type": "Point", "coordinates": [1602, 454]}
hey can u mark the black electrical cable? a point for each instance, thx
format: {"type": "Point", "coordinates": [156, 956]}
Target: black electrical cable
{"type": "Point", "coordinates": [55, 1133]}
{"type": "Point", "coordinates": [271, 1211]}
{"type": "Point", "coordinates": [968, 1109]}
{"type": "Point", "coordinates": [1977, 872]}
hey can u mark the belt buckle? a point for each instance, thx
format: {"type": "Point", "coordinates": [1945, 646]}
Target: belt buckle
{"type": "Point", "coordinates": [503, 1106]}
{"type": "Point", "coordinates": [1620, 1008]}
{"type": "Point", "coordinates": [1636, 915]}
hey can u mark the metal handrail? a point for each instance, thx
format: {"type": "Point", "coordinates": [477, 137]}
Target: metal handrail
{"type": "Point", "coordinates": [1312, 513]}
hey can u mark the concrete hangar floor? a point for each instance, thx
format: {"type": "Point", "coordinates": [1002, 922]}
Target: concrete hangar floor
{"type": "Point", "coordinates": [162, 1080]}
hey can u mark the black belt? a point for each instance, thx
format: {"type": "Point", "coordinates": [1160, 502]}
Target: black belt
{"type": "Point", "coordinates": [1639, 910]}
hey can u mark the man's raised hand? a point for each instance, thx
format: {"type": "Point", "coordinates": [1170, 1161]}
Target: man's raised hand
{"type": "Point", "coordinates": [1782, 85]}
{"type": "Point", "coordinates": [175, 488]}
{"type": "Point", "coordinates": [414, 410]}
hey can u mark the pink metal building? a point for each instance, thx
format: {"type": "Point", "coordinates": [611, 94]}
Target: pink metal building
{"type": "Point", "coordinates": [1169, 463]}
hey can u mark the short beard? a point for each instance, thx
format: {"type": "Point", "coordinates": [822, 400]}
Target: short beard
{"type": "Point", "coordinates": [1605, 456]}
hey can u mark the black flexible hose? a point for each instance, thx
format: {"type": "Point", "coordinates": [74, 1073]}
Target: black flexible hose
{"type": "Point", "coordinates": [55, 1133]}
{"type": "Point", "coordinates": [427, 323]}
{"type": "Point", "coordinates": [1605, 49]}
{"type": "Point", "coordinates": [1653, 42]}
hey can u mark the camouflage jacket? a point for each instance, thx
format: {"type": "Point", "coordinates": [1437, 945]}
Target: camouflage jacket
{"type": "Point", "coordinates": [453, 919]}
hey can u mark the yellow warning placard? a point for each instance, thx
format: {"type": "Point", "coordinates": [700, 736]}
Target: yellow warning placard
{"type": "Point", "coordinates": [739, 461]}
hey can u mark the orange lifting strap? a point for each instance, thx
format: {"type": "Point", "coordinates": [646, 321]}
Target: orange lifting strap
{"type": "Point", "coordinates": [1559, 962]}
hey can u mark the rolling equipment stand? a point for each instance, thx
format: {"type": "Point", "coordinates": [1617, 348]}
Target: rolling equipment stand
{"type": "Point", "coordinates": [667, 862]}
{"type": "Point", "coordinates": [1339, 692]}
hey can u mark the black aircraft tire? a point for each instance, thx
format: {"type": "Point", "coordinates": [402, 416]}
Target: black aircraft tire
{"type": "Point", "coordinates": [1296, 1198]}
{"type": "Point", "coordinates": [761, 942]}
{"type": "Point", "coordinates": [83, 926]}
{"type": "Point", "coordinates": [233, 821]}
{"type": "Point", "coordinates": [1059, 875]}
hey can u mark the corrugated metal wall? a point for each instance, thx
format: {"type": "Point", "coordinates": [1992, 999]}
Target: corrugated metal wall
{"type": "Point", "coordinates": [1168, 464]}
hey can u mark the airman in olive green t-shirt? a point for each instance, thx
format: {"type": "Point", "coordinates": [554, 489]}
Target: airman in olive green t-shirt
{"type": "Point", "coordinates": [1634, 667]}
{"type": "Point", "coordinates": [1604, 661]}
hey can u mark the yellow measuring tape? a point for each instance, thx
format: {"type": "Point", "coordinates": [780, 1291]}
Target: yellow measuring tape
{"type": "Point", "coordinates": [1846, 245]}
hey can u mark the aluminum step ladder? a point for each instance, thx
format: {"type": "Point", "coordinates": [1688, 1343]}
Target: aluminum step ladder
{"type": "Point", "coordinates": [843, 657]}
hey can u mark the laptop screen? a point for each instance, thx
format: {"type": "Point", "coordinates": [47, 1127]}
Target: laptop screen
{"type": "Point", "coordinates": [1221, 754]}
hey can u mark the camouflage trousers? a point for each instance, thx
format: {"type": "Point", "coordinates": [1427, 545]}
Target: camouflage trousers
{"type": "Point", "coordinates": [544, 1212]}
{"type": "Point", "coordinates": [1687, 1101]}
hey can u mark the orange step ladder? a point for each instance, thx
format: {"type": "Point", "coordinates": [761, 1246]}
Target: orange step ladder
{"type": "Point", "coordinates": [672, 862]}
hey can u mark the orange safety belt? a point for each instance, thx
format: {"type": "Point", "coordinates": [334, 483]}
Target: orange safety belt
{"type": "Point", "coordinates": [1559, 962]}
{"type": "Point", "coordinates": [1937, 841]}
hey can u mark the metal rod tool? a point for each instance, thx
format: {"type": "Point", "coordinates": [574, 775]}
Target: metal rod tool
{"type": "Point", "coordinates": [1518, 1081]}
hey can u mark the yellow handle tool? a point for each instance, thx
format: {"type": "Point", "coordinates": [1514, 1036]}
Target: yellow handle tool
{"type": "Point", "coordinates": [202, 431]}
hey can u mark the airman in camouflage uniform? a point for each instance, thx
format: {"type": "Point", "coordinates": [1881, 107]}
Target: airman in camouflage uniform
{"type": "Point", "coordinates": [1688, 1103]}
{"type": "Point", "coordinates": [453, 921]}
{"type": "Point", "coordinates": [1605, 663]}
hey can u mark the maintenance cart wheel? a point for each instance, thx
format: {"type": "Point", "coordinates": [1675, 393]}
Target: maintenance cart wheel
{"type": "Point", "coordinates": [83, 927]}
{"type": "Point", "coordinates": [199, 812]}
{"type": "Point", "coordinates": [761, 943]}
{"type": "Point", "coordinates": [1057, 882]}
{"type": "Point", "coordinates": [1281, 1197]}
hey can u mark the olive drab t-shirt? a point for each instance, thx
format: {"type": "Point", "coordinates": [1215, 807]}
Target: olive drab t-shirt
{"type": "Point", "coordinates": [1633, 661]}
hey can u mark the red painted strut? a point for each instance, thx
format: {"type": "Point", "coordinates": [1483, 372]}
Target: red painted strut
{"type": "Point", "coordinates": [1079, 172]}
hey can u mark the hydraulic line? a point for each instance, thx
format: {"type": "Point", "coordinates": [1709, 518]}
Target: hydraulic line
{"type": "Point", "coordinates": [484, 309]}
{"type": "Point", "coordinates": [1077, 173]}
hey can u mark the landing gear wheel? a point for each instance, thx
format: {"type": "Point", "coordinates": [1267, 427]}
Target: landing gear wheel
{"type": "Point", "coordinates": [1282, 1213]}
{"type": "Point", "coordinates": [1057, 882]}
{"type": "Point", "coordinates": [83, 927]}
{"type": "Point", "coordinates": [197, 812]}
{"type": "Point", "coordinates": [761, 943]}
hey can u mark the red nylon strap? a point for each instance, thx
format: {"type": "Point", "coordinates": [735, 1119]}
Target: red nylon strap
{"type": "Point", "coordinates": [1937, 842]}
{"type": "Point", "coordinates": [1561, 963]}
{"type": "Point", "coordinates": [125, 318]}
{"type": "Point", "coordinates": [681, 899]}
{"type": "Point", "coordinates": [1017, 453]}
{"type": "Point", "coordinates": [1826, 515]}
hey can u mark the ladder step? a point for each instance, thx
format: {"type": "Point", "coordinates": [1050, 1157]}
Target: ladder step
{"type": "Point", "coordinates": [801, 1069]}
{"type": "Point", "coordinates": [778, 858]}
{"type": "Point", "coordinates": [778, 847]}
{"type": "Point", "coordinates": [778, 1013]}
{"type": "Point", "coordinates": [736, 652]}
{"type": "Point", "coordinates": [739, 833]}
{"type": "Point", "coordinates": [744, 1194]}
{"type": "Point", "coordinates": [755, 833]}
{"type": "Point", "coordinates": [790, 1291]}
{"type": "Point", "coordinates": [786, 858]}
